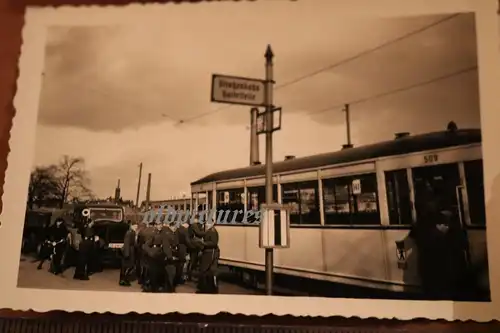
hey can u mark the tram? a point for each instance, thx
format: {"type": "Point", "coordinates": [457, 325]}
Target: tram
{"type": "Point", "coordinates": [350, 209]}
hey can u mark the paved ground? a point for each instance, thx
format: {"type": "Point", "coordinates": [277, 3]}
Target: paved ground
{"type": "Point", "coordinates": [30, 277]}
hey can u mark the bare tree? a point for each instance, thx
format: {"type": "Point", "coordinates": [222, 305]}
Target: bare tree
{"type": "Point", "coordinates": [73, 179]}
{"type": "Point", "coordinates": [44, 185]}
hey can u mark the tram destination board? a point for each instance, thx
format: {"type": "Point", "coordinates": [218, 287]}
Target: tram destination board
{"type": "Point", "coordinates": [238, 90]}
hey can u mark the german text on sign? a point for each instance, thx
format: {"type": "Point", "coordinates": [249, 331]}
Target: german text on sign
{"type": "Point", "coordinates": [238, 90]}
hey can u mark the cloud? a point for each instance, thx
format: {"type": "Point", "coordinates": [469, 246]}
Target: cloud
{"type": "Point", "coordinates": [124, 77]}
{"type": "Point", "coordinates": [140, 92]}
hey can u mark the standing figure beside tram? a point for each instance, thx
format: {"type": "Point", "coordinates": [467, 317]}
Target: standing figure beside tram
{"type": "Point", "coordinates": [207, 280]}
{"type": "Point", "coordinates": [195, 235]}
{"type": "Point", "coordinates": [440, 244]}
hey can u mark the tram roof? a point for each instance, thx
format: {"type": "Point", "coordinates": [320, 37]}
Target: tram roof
{"type": "Point", "coordinates": [399, 146]}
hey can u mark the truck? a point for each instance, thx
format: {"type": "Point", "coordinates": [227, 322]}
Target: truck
{"type": "Point", "coordinates": [109, 225]}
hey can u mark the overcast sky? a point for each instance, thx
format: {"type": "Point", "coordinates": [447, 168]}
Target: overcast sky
{"type": "Point", "coordinates": [117, 95]}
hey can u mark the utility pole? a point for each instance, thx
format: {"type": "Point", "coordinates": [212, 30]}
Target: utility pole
{"type": "Point", "coordinates": [269, 158]}
{"type": "Point", "coordinates": [348, 125]}
{"type": "Point", "coordinates": [138, 186]}
{"type": "Point", "coordinates": [148, 191]}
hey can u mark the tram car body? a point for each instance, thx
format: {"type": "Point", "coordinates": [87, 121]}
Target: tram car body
{"type": "Point", "coordinates": [109, 225]}
{"type": "Point", "coordinates": [350, 209]}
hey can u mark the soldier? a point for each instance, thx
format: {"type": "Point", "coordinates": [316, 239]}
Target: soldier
{"type": "Point", "coordinates": [129, 255]}
{"type": "Point", "coordinates": [195, 233]}
{"type": "Point", "coordinates": [139, 262]}
{"type": "Point", "coordinates": [84, 250]}
{"type": "Point", "coordinates": [144, 236]}
{"type": "Point", "coordinates": [156, 259]}
{"type": "Point", "coordinates": [58, 236]}
{"type": "Point", "coordinates": [96, 254]}
{"type": "Point", "coordinates": [184, 243]}
{"type": "Point", "coordinates": [207, 281]}
{"type": "Point", "coordinates": [45, 245]}
{"type": "Point", "coordinates": [170, 247]}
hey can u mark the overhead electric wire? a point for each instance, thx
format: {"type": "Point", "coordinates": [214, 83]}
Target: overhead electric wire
{"type": "Point", "coordinates": [398, 90]}
{"type": "Point", "coordinates": [339, 63]}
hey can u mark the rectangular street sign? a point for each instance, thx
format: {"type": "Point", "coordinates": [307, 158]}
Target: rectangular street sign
{"type": "Point", "coordinates": [274, 227]}
{"type": "Point", "coordinates": [261, 121]}
{"type": "Point", "coordinates": [238, 90]}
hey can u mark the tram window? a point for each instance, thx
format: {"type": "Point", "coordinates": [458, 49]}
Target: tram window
{"type": "Point", "coordinates": [210, 201]}
{"type": "Point", "coordinates": [342, 206]}
{"type": "Point", "coordinates": [475, 191]}
{"type": "Point", "coordinates": [256, 196]}
{"type": "Point", "coordinates": [303, 199]}
{"type": "Point", "coordinates": [232, 201]}
{"type": "Point", "coordinates": [398, 197]}
{"type": "Point", "coordinates": [194, 200]}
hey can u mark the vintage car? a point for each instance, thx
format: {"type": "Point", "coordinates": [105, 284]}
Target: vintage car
{"type": "Point", "coordinates": [109, 225]}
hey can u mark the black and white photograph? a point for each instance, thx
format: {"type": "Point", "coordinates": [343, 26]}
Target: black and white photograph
{"type": "Point", "coordinates": [300, 154]}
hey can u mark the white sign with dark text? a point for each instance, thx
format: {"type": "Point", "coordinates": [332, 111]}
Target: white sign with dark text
{"type": "Point", "coordinates": [238, 90]}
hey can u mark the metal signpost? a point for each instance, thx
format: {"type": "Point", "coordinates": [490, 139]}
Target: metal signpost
{"type": "Point", "coordinates": [256, 92]}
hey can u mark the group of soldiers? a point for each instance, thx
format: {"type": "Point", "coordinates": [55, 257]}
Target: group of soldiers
{"type": "Point", "coordinates": [160, 256]}
{"type": "Point", "coordinates": [164, 256]}
{"type": "Point", "coordinates": [56, 248]}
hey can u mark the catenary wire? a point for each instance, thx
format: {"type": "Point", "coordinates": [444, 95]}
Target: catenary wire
{"type": "Point", "coordinates": [398, 90]}
{"type": "Point", "coordinates": [340, 63]}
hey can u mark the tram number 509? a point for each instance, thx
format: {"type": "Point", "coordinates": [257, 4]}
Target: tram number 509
{"type": "Point", "coordinates": [432, 158]}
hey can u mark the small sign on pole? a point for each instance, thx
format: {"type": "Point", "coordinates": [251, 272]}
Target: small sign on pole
{"type": "Point", "coordinates": [356, 187]}
{"type": "Point", "coordinates": [261, 121]}
{"type": "Point", "coordinates": [274, 227]}
{"type": "Point", "coordinates": [238, 90]}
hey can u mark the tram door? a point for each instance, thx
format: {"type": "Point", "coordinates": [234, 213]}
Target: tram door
{"type": "Point", "coordinates": [438, 187]}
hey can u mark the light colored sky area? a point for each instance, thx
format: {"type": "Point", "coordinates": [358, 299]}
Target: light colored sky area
{"type": "Point", "coordinates": [116, 95]}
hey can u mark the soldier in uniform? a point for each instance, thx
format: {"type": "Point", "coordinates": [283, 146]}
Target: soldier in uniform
{"type": "Point", "coordinates": [184, 243]}
{"type": "Point", "coordinates": [96, 253]}
{"type": "Point", "coordinates": [170, 247]}
{"type": "Point", "coordinates": [196, 234]}
{"type": "Point", "coordinates": [156, 259]}
{"type": "Point", "coordinates": [129, 255]}
{"type": "Point", "coordinates": [45, 246]}
{"type": "Point", "coordinates": [58, 236]}
{"type": "Point", "coordinates": [139, 267]}
{"type": "Point", "coordinates": [207, 282]}
{"type": "Point", "coordinates": [144, 236]}
{"type": "Point", "coordinates": [86, 230]}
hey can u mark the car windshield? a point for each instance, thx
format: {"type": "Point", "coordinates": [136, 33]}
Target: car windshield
{"type": "Point", "coordinates": [111, 214]}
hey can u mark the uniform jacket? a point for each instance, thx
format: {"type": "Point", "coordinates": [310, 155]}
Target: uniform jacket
{"type": "Point", "coordinates": [196, 230]}
{"type": "Point", "coordinates": [195, 234]}
{"type": "Point", "coordinates": [57, 234]}
{"type": "Point", "coordinates": [170, 244]}
{"type": "Point", "coordinates": [184, 241]}
{"type": "Point", "coordinates": [129, 242]}
{"type": "Point", "coordinates": [154, 243]}
{"type": "Point", "coordinates": [211, 239]}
